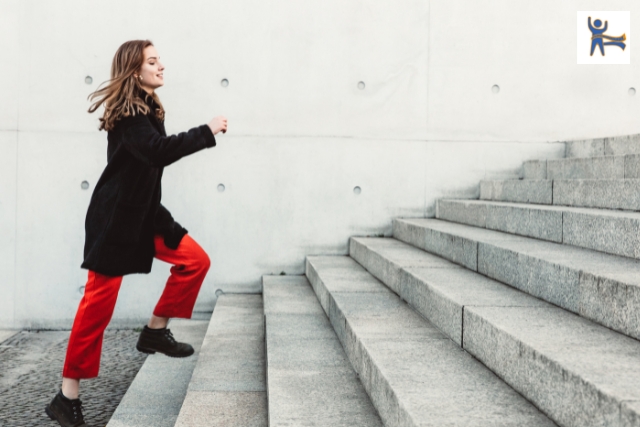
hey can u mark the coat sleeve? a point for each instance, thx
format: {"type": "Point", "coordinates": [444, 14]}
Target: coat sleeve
{"type": "Point", "coordinates": [169, 228]}
{"type": "Point", "coordinates": [149, 146]}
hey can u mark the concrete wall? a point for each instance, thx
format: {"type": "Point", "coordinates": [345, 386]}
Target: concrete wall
{"type": "Point", "coordinates": [301, 134]}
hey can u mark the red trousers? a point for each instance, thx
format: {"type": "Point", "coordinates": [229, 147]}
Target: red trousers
{"type": "Point", "coordinates": [191, 264]}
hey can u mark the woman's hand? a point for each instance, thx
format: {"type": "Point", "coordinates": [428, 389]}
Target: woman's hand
{"type": "Point", "coordinates": [218, 124]}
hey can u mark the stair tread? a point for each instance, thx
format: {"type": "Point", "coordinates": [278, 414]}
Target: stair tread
{"type": "Point", "coordinates": [599, 286]}
{"type": "Point", "coordinates": [167, 378]}
{"type": "Point", "coordinates": [614, 213]}
{"type": "Point", "coordinates": [597, 359]}
{"type": "Point", "coordinates": [414, 373]}
{"type": "Point", "coordinates": [228, 383]}
{"type": "Point", "coordinates": [599, 147]}
{"type": "Point", "coordinates": [587, 260]}
{"type": "Point", "coordinates": [603, 230]}
{"type": "Point", "coordinates": [528, 182]}
{"type": "Point", "coordinates": [310, 380]}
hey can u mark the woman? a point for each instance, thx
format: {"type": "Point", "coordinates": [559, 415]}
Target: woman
{"type": "Point", "coordinates": [126, 226]}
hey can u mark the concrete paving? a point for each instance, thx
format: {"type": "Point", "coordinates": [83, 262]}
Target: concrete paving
{"type": "Point", "coordinates": [613, 232]}
{"type": "Point", "coordinates": [578, 372]}
{"type": "Point", "coordinates": [310, 380]}
{"type": "Point", "coordinates": [156, 394]}
{"type": "Point", "coordinates": [414, 375]}
{"type": "Point", "coordinates": [601, 287]}
{"type": "Point", "coordinates": [31, 374]}
{"type": "Point", "coordinates": [227, 387]}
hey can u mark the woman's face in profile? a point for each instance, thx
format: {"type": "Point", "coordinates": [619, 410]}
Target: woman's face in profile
{"type": "Point", "coordinates": [152, 70]}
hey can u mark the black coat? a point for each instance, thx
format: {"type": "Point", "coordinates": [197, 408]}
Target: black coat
{"type": "Point", "coordinates": [125, 211]}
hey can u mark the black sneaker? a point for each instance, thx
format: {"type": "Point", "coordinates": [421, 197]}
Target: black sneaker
{"type": "Point", "coordinates": [162, 341]}
{"type": "Point", "coordinates": [67, 412]}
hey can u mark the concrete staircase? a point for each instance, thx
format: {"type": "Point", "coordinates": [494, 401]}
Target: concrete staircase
{"type": "Point", "coordinates": [521, 308]}
{"type": "Point", "coordinates": [518, 309]}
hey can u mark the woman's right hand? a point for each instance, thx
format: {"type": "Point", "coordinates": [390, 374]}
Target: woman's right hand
{"type": "Point", "coordinates": [218, 124]}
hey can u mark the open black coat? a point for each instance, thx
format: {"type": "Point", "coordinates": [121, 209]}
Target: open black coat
{"type": "Point", "coordinates": [125, 210]}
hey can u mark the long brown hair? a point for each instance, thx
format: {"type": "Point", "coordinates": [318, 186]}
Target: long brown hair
{"type": "Point", "coordinates": [120, 96]}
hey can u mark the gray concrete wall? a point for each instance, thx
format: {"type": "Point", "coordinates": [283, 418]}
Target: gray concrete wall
{"type": "Point", "coordinates": [301, 134]}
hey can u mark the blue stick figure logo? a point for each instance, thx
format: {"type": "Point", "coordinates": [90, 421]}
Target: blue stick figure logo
{"type": "Point", "coordinates": [598, 37]}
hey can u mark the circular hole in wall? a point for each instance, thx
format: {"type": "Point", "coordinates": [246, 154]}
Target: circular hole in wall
{"type": "Point", "coordinates": [357, 190]}
{"type": "Point", "coordinates": [219, 292]}
{"type": "Point", "coordinates": [224, 83]}
{"type": "Point", "coordinates": [632, 91]}
{"type": "Point", "coordinates": [495, 88]}
{"type": "Point", "coordinates": [361, 85]}
{"type": "Point", "coordinates": [84, 185]}
{"type": "Point", "coordinates": [88, 80]}
{"type": "Point", "coordinates": [220, 188]}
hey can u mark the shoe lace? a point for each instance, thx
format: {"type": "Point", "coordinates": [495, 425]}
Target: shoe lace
{"type": "Point", "coordinates": [169, 336]}
{"type": "Point", "coordinates": [77, 408]}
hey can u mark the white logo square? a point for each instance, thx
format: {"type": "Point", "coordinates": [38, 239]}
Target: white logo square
{"type": "Point", "coordinates": [604, 37]}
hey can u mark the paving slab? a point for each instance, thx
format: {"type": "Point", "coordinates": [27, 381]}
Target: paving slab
{"type": "Point", "coordinates": [414, 375]}
{"type": "Point", "coordinates": [602, 287]}
{"type": "Point", "coordinates": [227, 387]}
{"type": "Point", "coordinates": [31, 373]}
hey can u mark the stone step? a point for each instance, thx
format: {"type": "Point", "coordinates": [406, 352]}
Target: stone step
{"type": "Point", "coordinates": [594, 193]}
{"type": "Point", "coordinates": [612, 146]}
{"type": "Point", "coordinates": [605, 167]}
{"type": "Point", "coordinates": [310, 381]}
{"type": "Point", "coordinates": [577, 372]}
{"type": "Point", "coordinates": [539, 191]}
{"type": "Point", "coordinates": [6, 334]}
{"type": "Point", "coordinates": [227, 387]}
{"type": "Point", "coordinates": [602, 287]}
{"type": "Point", "coordinates": [613, 232]}
{"type": "Point", "coordinates": [156, 394]}
{"type": "Point", "coordinates": [414, 374]}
